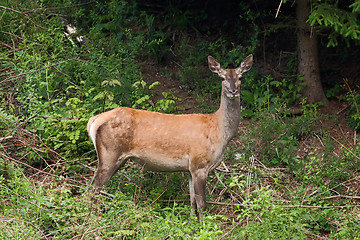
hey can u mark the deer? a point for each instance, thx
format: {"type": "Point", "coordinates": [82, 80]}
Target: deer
{"type": "Point", "coordinates": [160, 142]}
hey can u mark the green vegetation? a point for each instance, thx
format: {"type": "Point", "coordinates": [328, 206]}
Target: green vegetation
{"type": "Point", "coordinates": [341, 21]}
{"type": "Point", "coordinates": [285, 176]}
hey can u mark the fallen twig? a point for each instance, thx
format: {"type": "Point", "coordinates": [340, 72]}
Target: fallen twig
{"type": "Point", "coordinates": [5, 138]}
{"type": "Point", "coordinates": [11, 9]}
{"type": "Point", "coordinates": [347, 149]}
{"type": "Point", "coordinates": [349, 180]}
{"type": "Point", "coordinates": [285, 206]}
{"type": "Point", "coordinates": [6, 45]}
{"type": "Point", "coordinates": [343, 196]}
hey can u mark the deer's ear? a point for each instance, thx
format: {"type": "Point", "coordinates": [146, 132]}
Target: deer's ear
{"type": "Point", "coordinates": [245, 65]}
{"type": "Point", "coordinates": [215, 66]}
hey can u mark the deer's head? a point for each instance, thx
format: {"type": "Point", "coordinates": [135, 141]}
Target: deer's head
{"type": "Point", "coordinates": [231, 78]}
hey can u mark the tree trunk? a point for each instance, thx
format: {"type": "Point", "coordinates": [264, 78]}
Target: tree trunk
{"type": "Point", "coordinates": [308, 65]}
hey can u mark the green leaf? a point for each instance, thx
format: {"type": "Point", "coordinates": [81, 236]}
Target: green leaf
{"type": "Point", "coordinates": [154, 84]}
{"type": "Point", "coordinates": [100, 95]}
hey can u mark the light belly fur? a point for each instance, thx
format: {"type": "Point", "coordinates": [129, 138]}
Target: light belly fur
{"type": "Point", "coordinates": [162, 163]}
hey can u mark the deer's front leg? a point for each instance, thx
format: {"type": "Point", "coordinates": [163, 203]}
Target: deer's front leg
{"type": "Point", "coordinates": [192, 192]}
{"type": "Point", "coordinates": [197, 192]}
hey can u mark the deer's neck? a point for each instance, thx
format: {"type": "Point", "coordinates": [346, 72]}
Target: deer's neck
{"type": "Point", "coordinates": [229, 116]}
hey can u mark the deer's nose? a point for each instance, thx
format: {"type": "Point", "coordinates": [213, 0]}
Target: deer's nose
{"type": "Point", "coordinates": [233, 92]}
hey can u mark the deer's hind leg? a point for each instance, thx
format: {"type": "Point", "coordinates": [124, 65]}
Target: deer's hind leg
{"type": "Point", "coordinates": [109, 163]}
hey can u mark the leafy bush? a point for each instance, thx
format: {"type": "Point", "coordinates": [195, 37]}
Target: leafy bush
{"type": "Point", "coordinates": [143, 98]}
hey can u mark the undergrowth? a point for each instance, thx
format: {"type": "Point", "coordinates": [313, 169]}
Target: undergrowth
{"type": "Point", "coordinates": [284, 176]}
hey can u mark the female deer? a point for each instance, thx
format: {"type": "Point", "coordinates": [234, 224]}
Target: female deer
{"type": "Point", "coordinates": [160, 142]}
